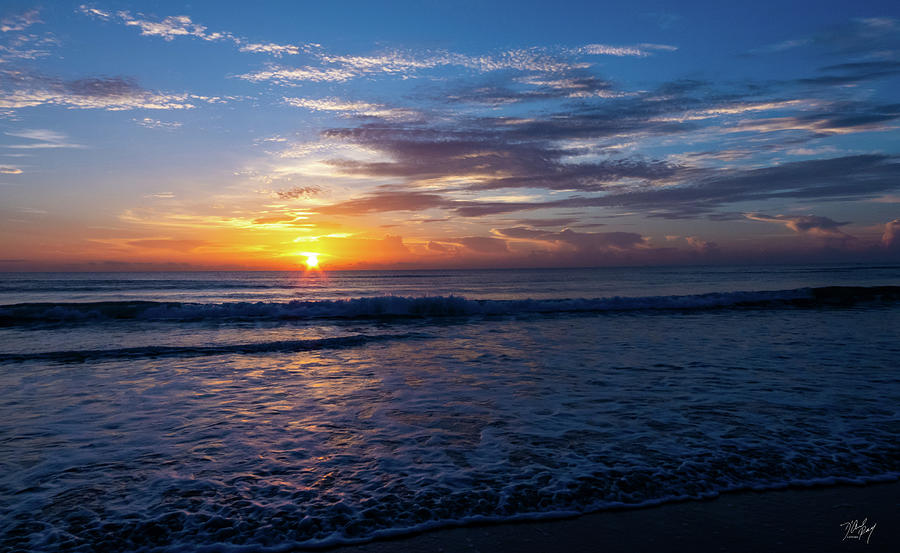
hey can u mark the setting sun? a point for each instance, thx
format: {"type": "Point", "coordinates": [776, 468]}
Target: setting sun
{"type": "Point", "coordinates": [312, 261]}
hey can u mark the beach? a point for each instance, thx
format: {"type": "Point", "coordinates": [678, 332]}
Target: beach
{"type": "Point", "coordinates": [792, 520]}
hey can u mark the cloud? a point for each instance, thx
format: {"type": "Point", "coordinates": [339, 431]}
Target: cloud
{"type": "Point", "coordinates": [24, 90]}
{"type": "Point", "coordinates": [386, 201]}
{"type": "Point", "coordinates": [357, 109]}
{"type": "Point", "coordinates": [535, 87]}
{"type": "Point", "coordinates": [837, 118]}
{"type": "Point", "coordinates": [571, 152]}
{"type": "Point", "coordinates": [570, 148]}
{"type": "Point", "coordinates": [840, 178]}
{"type": "Point", "coordinates": [404, 64]}
{"type": "Point", "coordinates": [548, 222]}
{"type": "Point", "coordinates": [891, 237]}
{"type": "Point", "coordinates": [169, 27]}
{"type": "Point", "coordinates": [31, 98]}
{"type": "Point", "coordinates": [398, 62]}
{"type": "Point", "coordinates": [852, 73]}
{"type": "Point", "coordinates": [298, 192]}
{"type": "Point", "coordinates": [95, 12]}
{"type": "Point", "coordinates": [41, 139]}
{"type": "Point", "coordinates": [524, 247]}
{"type": "Point", "coordinates": [869, 37]}
{"type": "Point", "coordinates": [339, 67]}
{"type": "Point", "coordinates": [813, 225]}
{"type": "Point", "coordinates": [437, 247]}
{"type": "Point", "coordinates": [782, 46]}
{"type": "Point", "coordinates": [276, 50]}
{"type": "Point", "coordinates": [167, 244]}
{"type": "Point", "coordinates": [489, 158]}
{"type": "Point", "coordinates": [576, 241]}
{"type": "Point", "coordinates": [23, 46]}
{"type": "Point", "coordinates": [285, 218]}
{"type": "Point", "coordinates": [10, 170]}
{"type": "Point", "coordinates": [700, 245]}
{"type": "Point", "coordinates": [172, 27]}
{"type": "Point", "coordinates": [843, 178]}
{"type": "Point", "coordinates": [103, 87]}
{"type": "Point", "coordinates": [18, 45]}
{"type": "Point", "coordinates": [285, 75]}
{"type": "Point", "coordinates": [19, 22]}
{"type": "Point", "coordinates": [483, 244]}
{"type": "Point", "coordinates": [619, 51]}
{"type": "Point", "coordinates": [151, 123]}
{"type": "Point", "coordinates": [887, 199]}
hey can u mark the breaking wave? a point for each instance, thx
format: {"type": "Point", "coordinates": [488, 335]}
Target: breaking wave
{"type": "Point", "coordinates": [432, 306]}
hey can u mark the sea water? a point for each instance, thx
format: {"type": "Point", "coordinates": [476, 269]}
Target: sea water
{"type": "Point", "coordinates": [268, 411]}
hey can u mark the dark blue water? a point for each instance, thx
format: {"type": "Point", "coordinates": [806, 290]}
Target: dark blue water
{"type": "Point", "coordinates": [262, 411]}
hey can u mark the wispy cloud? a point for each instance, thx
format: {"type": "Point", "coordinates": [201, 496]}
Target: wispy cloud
{"type": "Point", "coordinates": [176, 26]}
{"type": "Point", "coordinates": [868, 37]}
{"type": "Point", "coordinates": [24, 90]}
{"type": "Point", "coordinates": [827, 119]}
{"type": "Point", "coordinates": [387, 201]}
{"type": "Point", "coordinates": [10, 170]}
{"type": "Point", "coordinates": [285, 75]}
{"type": "Point", "coordinates": [19, 22]}
{"type": "Point", "coordinates": [333, 67]}
{"type": "Point", "coordinates": [298, 192]}
{"type": "Point", "coordinates": [577, 241]}
{"type": "Point", "coordinates": [537, 59]}
{"type": "Point", "coordinates": [357, 109]}
{"type": "Point", "coordinates": [25, 47]}
{"type": "Point", "coordinates": [535, 87]}
{"type": "Point", "coordinates": [606, 50]}
{"type": "Point", "coordinates": [270, 48]}
{"type": "Point", "coordinates": [16, 44]}
{"type": "Point", "coordinates": [340, 68]}
{"type": "Point", "coordinates": [170, 27]}
{"type": "Point", "coordinates": [150, 123]}
{"type": "Point", "coordinates": [782, 46]}
{"type": "Point", "coordinates": [813, 225]}
{"type": "Point", "coordinates": [42, 139]}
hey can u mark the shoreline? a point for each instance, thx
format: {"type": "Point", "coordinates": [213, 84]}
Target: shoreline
{"type": "Point", "coordinates": [788, 519]}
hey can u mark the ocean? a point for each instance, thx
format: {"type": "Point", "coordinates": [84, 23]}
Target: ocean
{"type": "Point", "coordinates": [266, 411]}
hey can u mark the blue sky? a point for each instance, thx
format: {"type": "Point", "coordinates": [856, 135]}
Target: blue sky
{"type": "Point", "coordinates": [447, 134]}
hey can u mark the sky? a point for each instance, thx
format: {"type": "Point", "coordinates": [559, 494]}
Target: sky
{"type": "Point", "coordinates": [441, 134]}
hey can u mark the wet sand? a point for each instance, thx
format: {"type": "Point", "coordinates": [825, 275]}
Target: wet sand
{"type": "Point", "coordinates": [794, 520]}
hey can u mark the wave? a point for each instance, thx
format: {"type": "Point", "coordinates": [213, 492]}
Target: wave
{"type": "Point", "coordinates": [380, 307]}
{"type": "Point", "coordinates": [283, 346]}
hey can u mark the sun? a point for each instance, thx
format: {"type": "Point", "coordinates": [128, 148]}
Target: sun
{"type": "Point", "coordinates": [312, 261]}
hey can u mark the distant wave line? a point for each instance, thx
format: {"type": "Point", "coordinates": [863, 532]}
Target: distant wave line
{"type": "Point", "coordinates": [284, 346]}
{"type": "Point", "coordinates": [385, 307]}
